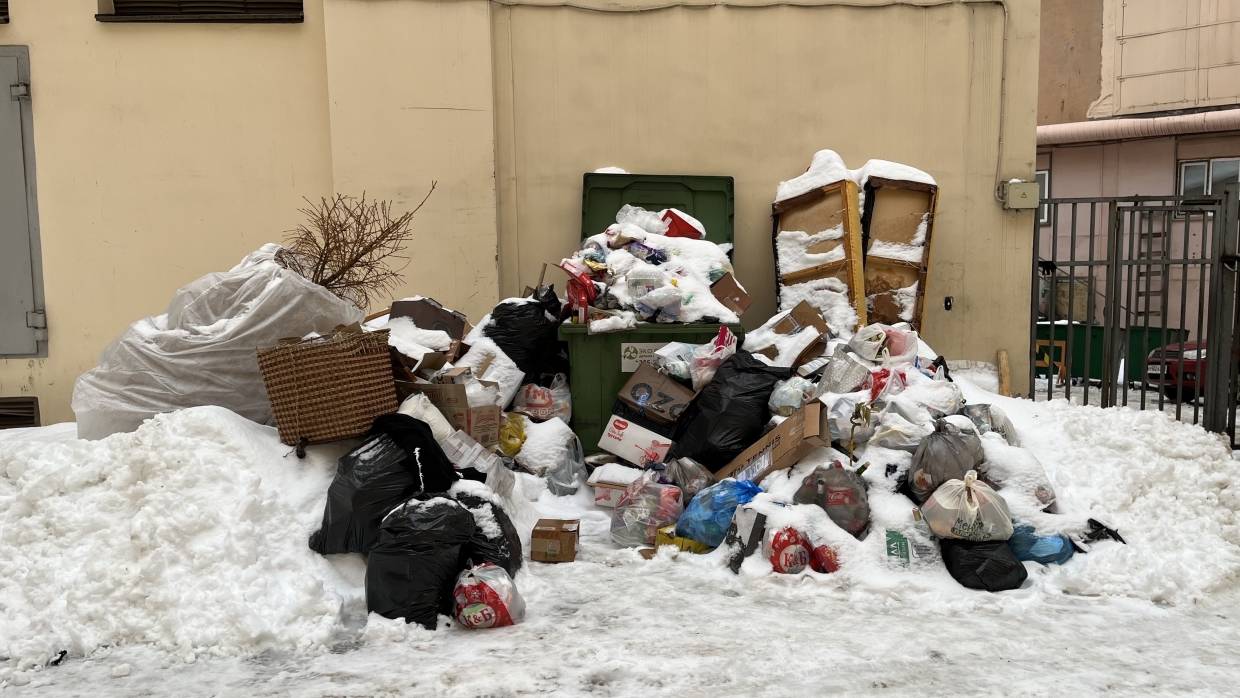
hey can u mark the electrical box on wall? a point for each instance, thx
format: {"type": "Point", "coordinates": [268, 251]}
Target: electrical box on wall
{"type": "Point", "coordinates": [1021, 195]}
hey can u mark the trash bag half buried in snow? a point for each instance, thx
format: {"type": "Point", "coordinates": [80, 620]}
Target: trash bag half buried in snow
{"type": "Point", "coordinates": [709, 514]}
{"type": "Point", "coordinates": [398, 460]}
{"type": "Point", "coordinates": [201, 351]}
{"type": "Point", "coordinates": [527, 332]}
{"type": "Point", "coordinates": [413, 565]}
{"type": "Point", "coordinates": [842, 493]}
{"type": "Point", "coordinates": [495, 539]}
{"type": "Point", "coordinates": [988, 566]}
{"type": "Point", "coordinates": [946, 454]}
{"type": "Point", "coordinates": [730, 412]}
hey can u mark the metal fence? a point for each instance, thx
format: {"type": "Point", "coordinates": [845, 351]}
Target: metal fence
{"type": "Point", "coordinates": [1134, 303]}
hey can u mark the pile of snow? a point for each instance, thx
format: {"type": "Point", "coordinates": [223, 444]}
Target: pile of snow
{"type": "Point", "coordinates": [792, 249]}
{"type": "Point", "coordinates": [829, 297]}
{"type": "Point", "coordinates": [188, 534]}
{"type": "Point", "coordinates": [827, 167]}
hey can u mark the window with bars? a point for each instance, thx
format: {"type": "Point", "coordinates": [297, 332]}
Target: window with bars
{"type": "Point", "coordinates": [199, 11]}
{"type": "Point", "coordinates": [4, 11]}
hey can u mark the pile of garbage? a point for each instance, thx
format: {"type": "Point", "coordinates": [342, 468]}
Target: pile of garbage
{"type": "Point", "coordinates": [786, 445]}
{"type": "Point", "coordinates": [652, 267]}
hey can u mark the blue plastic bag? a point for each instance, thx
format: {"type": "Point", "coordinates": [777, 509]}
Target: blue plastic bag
{"type": "Point", "coordinates": [709, 514]}
{"type": "Point", "coordinates": [1027, 545]}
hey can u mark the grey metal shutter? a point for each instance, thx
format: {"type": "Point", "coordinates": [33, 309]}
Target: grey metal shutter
{"type": "Point", "coordinates": [21, 313]}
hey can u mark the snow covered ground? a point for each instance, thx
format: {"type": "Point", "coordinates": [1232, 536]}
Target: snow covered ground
{"type": "Point", "coordinates": [173, 562]}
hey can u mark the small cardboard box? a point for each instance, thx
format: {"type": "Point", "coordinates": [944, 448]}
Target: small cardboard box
{"type": "Point", "coordinates": [667, 536]}
{"type": "Point", "coordinates": [607, 494]}
{"type": "Point", "coordinates": [655, 395]}
{"type": "Point", "coordinates": [781, 447]}
{"type": "Point", "coordinates": [610, 481]}
{"type": "Point", "coordinates": [728, 291]}
{"type": "Point", "coordinates": [481, 423]}
{"type": "Point", "coordinates": [554, 540]}
{"type": "Point", "coordinates": [633, 443]}
{"type": "Point", "coordinates": [801, 316]}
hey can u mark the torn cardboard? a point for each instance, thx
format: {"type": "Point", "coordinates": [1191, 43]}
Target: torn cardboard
{"type": "Point", "coordinates": [794, 321]}
{"type": "Point", "coordinates": [782, 447]}
{"type": "Point", "coordinates": [481, 423]}
{"type": "Point", "coordinates": [729, 292]}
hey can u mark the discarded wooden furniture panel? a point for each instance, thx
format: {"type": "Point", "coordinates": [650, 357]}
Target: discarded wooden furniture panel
{"type": "Point", "coordinates": [818, 254]}
{"type": "Point", "coordinates": [899, 225]}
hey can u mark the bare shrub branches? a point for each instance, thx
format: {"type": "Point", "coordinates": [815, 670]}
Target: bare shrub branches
{"type": "Point", "coordinates": [351, 246]}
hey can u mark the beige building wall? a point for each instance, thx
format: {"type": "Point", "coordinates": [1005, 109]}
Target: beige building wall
{"type": "Point", "coordinates": [164, 151]}
{"type": "Point", "coordinates": [753, 93]}
{"type": "Point", "coordinates": [1070, 60]}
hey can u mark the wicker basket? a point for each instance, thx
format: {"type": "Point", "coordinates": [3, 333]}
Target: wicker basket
{"type": "Point", "coordinates": [329, 388]}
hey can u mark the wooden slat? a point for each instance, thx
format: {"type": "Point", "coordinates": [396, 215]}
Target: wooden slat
{"type": "Point", "coordinates": [849, 270]}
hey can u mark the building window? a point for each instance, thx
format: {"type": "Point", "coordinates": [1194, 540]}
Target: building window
{"type": "Point", "coordinates": [1044, 192]}
{"type": "Point", "coordinates": [4, 11]}
{"type": "Point", "coordinates": [1204, 177]}
{"type": "Point", "coordinates": [200, 11]}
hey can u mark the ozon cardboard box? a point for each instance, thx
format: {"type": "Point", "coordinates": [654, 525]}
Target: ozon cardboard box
{"type": "Point", "coordinates": [633, 443]}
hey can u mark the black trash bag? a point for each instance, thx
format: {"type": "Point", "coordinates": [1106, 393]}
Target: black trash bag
{"type": "Point", "coordinates": [375, 477]}
{"type": "Point", "coordinates": [988, 565]}
{"type": "Point", "coordinates": [413, 565]}
{"type": "Point", "coordinates": [425, 459]}
{"type": "Point", "coordinates": [502, 549]}
{"type": "Point", "coordinates": [730, 412]}
{"type": "Point", "coordinates": [528, 333]}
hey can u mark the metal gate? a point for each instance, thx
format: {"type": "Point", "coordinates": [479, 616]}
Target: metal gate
{"type": "Point", "coordinates": [1134, 303]}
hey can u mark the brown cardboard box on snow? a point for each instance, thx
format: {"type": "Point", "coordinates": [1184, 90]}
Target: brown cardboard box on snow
{"type": "Point", "coordinates": [782, 447]}
{"type": "Point", "coordinates": [655, 395]}
{"type": "Point", "coordinates": [554, 540]}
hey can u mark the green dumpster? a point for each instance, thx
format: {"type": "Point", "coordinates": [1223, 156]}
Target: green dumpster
{"type": "Point", "coordinates": [1054, 341]}
{"type": "Point", "coordinates": [601, 363]}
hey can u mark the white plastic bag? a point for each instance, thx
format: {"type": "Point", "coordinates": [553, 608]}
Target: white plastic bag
{"type": "Point", "coordinates": [708, 357]}
{"type": "Point", "coordinates": [489, 363]}
{"type": "Point", "coordinates": [422, 409]}
{"type": "Point", "coordinates": [790, 395]}
{"type": "Point", "coordinates": [202, 350]}
{"type": "Point", "coordinates": [967, 509]}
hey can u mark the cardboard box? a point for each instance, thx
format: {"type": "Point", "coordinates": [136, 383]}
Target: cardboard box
{"type": "Point", "coordinates": [728, 291]}
{"type": "Point", "coordinates": [481, 423]}
{"type": "Point", "coordinates": [781, 447]}
{"type": "Point", "coordinates": [607, 494]}
{"type": "Point", "coordinates": [801, 316]}
{"type": "Point", "coordinates": [554, 540]}
{"type": "Point", "coordinates": [429, 314]}
{"type": "Point", "coordinates": [655, 395]}
{"type": "Point", "coordinates": [667, 536]}
{"type": "Point", "coordinates": [633, 443]}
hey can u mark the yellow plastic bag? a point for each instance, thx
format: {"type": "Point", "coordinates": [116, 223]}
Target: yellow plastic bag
{"type": "Point", "coordinates": [512, 435]}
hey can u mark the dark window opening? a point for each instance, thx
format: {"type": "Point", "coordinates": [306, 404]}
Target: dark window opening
{"type": "Point", "coordinates": [199, 11]}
